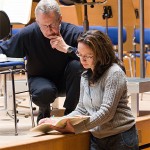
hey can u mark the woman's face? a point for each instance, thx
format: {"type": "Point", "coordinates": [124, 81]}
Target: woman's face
{"type": "Point", "coordinates": [86, 56]}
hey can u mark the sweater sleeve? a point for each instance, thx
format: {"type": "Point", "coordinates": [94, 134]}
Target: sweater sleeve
{"type": "Point", "coordinates": [13, 47]}
{"type": "Point", "coordinates": [115, 85]}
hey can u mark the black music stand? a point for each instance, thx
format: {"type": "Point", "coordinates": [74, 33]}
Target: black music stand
{"type": "Point", "coordinates": [85, 3]}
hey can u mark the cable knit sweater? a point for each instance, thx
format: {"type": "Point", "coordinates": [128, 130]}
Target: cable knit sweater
{"type": "Point", "coordinates": [106, 104]}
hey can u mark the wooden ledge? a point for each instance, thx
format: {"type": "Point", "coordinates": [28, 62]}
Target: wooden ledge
{"type": "Point", "coordinates": [50, 141]}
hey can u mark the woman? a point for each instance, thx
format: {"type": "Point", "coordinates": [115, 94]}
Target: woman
{"type": "Point", "coordinates": [103, 97]}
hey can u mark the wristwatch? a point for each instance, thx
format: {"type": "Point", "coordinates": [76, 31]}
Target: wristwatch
{"type": "Point", "coordinates": [70, 50]}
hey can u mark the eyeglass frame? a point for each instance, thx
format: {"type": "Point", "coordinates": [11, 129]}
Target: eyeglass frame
{"type": "Point", "coordinates": [84, 57]}
{"type": "Point", "coordinates": [50, 26]}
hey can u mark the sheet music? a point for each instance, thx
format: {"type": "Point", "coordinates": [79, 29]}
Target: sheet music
{"type": "Point", "coordinates": [18, 11]}
{"type": "Point", "coordinates": [4, 58]}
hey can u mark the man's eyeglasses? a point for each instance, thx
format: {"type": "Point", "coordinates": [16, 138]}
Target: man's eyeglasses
{"type": "Point", "coordinates": [46, 27]}
{"type": "Point", "coordinates": [84, 57]}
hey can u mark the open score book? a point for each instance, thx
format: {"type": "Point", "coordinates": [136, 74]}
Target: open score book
{"type": "Point", "coordinates": [60, 122]}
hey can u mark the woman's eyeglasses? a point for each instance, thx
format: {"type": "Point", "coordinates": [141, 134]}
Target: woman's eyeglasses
{"type": "Point", "coordinates": [84, 57]}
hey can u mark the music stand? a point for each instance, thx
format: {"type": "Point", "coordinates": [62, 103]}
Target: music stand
{"type": "Point", "coordinates": [85, 3]}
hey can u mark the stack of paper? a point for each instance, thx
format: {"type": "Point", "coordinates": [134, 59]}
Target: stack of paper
{"type": "Point", "coordinates": [4, 58]}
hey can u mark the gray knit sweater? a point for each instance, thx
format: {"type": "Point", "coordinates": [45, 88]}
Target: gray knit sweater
{"type": "Point", "coordinates": [106, 104]}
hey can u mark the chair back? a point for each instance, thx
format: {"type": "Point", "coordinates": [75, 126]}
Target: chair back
{"type": "Point", "coordinates": [113, 35]}
{"type": "Point", "coordinates": [146, 36]}
{"type": "Point", "coordinates": [5, 27]}
{"type": "Point", "coordinates": [15, 31]}
{"type": "Point", "coordinates": [112, 32]}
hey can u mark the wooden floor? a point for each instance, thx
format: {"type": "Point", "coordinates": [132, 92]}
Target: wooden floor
{"type": "Point", "coordinates": [9, 141]}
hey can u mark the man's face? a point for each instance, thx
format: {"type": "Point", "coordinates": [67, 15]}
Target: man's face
{"type": "Point", "coordinates": [49, 23]}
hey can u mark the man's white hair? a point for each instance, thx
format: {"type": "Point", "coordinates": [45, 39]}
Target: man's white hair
{"type": "Point", "coordinates": [45, 6]}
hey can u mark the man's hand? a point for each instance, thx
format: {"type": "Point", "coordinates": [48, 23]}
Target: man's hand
{"type": "Point", "coordinates": [58, 43]}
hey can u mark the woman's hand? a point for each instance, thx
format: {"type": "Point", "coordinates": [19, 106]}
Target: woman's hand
{"type": "Point", "coordinates": [67, 129]}
{"type": "Point", "coordinates": [50, 120]}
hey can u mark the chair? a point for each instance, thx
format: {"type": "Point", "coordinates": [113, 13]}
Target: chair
{"type": "Point", "coordinates": [136, 39]}
{"type": "Point", "coordinates": [146, 36]}
{"type": "Point", "coordinates": [4, 24]}
{"type": "Point", "coordinates": [112, 33]}
{"type": "Point", "coordinates": [10, 67]}
{"type": "Point", "coordinates": [100, 28]}
{"type": "Point", "coordinates": [147, 62]}
{"type": "Point", "coordinates": [147, 45]}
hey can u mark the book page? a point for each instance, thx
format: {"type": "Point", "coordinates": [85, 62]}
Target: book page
{"type": "Point", "coordinates": [18, 11]}
{"type": "Point", "coordinates": [73, 120]}
{"type": "Point", "coordinates": [4, 58]}
{"type": "Point", "coordinates": [60, 122]}
{"type": "Point", "coordinates": [15, 59]}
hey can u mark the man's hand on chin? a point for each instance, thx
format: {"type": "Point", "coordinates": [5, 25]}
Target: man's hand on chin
{"type": "Point", "coordinates": [57, 42]}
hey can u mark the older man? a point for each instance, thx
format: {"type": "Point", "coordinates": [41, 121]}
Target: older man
{"type": "Point", "coordinates": [53, 67]}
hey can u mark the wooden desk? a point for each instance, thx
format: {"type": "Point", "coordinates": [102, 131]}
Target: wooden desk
{"type": "Point", "coordinates": [51, 141]}
{"type": "Point", "coordinates": [143, 126]}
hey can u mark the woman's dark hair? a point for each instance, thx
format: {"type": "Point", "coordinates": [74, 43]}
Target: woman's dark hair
{"type": "Point", "coordinates": [102, 48]}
